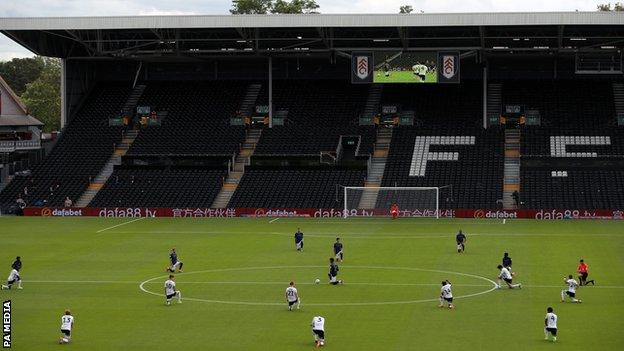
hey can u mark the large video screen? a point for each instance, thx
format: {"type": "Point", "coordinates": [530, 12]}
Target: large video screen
{"type": "Point", "coordinates": [405, 67]}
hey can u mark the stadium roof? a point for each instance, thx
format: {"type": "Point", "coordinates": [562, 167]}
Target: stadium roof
{"type": "Point", "coordinates": [144, 36]}
{"type": "Point", "coordinates": [316, 20]}
{"type": "Point", "coordinates": [17, 114]}
{"type": "Point", "coordinates": [19, 121]}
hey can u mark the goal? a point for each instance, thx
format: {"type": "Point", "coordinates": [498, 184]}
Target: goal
{"type": "Point", "coordinates": [422, 200]}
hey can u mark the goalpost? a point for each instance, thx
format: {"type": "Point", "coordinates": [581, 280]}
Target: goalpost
{"type": "Point", "coordinates": [380, 199]}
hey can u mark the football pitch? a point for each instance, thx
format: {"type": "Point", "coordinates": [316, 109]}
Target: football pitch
{"type": "Point", "coordinates": [110, 273]}
{"type": "Point", "coordinates": [403, 77]}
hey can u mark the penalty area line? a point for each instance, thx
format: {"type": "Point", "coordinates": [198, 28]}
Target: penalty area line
{"type": "Point", "coordinates": [119, 225]}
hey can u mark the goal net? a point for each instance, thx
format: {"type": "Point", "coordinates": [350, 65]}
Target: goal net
{"type": "Point", "coordinates": [419, 201]}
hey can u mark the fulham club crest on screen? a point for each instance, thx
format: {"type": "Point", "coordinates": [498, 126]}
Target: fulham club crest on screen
{"type": "Point", "coordinates": [448, 63]}
{"type": "Point", "coordinates": [361, 67]}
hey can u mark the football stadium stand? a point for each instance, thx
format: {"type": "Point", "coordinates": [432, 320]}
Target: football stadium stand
{"type": "Point", "coordinates": [450, 119]}
{"type": "Point", "coordinates": [213, 80]}
{"type": "Point", "coordinates": [160, 187]}
{"type": "Point", "coordinates": [319, 112]}
{"type": "Point", "coordinates": [197, 118]}
{"type": "Point", "coordinates": [83, 149]}
{"type": "Point", "coordinates": [575, 159]}
{"type": "Point", "coordinates": [294, 188]}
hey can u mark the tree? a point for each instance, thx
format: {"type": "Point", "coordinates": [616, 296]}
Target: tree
{"type": "Point", "coordinates": [20, 71]}
{"type": "Point", "coordinates": [607, 7]}
{"type": "Point", "coordinates": [43, 95]}
{"type": "Point", "coordinates": [406, 9]}
{"type": "Point", "coordinates": [295, 6]}
{"type": "Point", "coordinates": [240, 7]}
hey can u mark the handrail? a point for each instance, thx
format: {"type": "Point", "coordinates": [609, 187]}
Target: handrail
{"type": "Point", "coordinates": [19, 145]}
{"type": "Point", "coordinates": [339, 148]}
{"type": "Point", "coordinates": [357, 149]}
{"type": "Point", "coordinates": [573, 157]}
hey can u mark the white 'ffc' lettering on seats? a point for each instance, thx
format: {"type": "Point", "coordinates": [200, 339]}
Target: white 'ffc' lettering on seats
{"type": "Point", "coordinates": [558, 145]}
{"type": "Point", "coordinates": [422, 155]}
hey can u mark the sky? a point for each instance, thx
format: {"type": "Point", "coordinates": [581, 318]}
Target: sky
{"type": "Point", "coordinates": [64, 8]}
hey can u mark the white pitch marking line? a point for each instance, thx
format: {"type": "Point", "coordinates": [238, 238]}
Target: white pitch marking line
{"type": "Point", "coordinates": [504, 220]}
{"type": "Point", "coordinates": [119, 225]}
{"type": "Point", "coordinates": [420, 220]}
{"type": "Point", "coordinates": [284, 282]}
{"type": "Point", "coordinates": [493, 286]}
{"type": "Point", "coordinates": [365, 236]}
{"type": "Point", "coordinates": [349, 283]}
{"type": "Point", "coordinates": [78, 282]}
{"type": "Point", "coordinates": [273, 220]}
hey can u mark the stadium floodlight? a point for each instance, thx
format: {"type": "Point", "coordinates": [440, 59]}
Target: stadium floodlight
{"type": "Point", "coordinates": [426, 200]}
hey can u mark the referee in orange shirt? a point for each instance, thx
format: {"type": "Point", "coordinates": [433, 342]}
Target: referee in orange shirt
{"type": "Point", "coordinates": [583, 271]}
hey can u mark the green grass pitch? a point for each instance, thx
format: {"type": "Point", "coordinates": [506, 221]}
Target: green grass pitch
{"type": "Point", "coordinates": [392, 272]}
{"type": "Point", "coordinates": [403, 77]}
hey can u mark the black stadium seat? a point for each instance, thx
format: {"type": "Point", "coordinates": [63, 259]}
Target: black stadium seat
{"type": "Point", "coordinates": [83, 149]}
{"type": "Point", "coordinates": [570, 108]}
{"type": "Point", "coordinates": [179, 188]}
{"type": "Point", "coordinates": [319, 112]}
{"type": "Point", "coordinates": [475, 180]}
{"type": "Point", "coordinates": [197, 120]}
{"type": "Point", "coordinates": [294, 188]}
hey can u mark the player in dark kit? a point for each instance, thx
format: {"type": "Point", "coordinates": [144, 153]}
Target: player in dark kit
{"type": "Point", "coordinates": [175, 263]}
{"type": "Point", "coordinates": [507, 261]}
{"type": "Point", "coordinates": [17, 264]}
{"type": "Point", "coordinates": [461, 242]}
{"type": "Point", "coordinates": [299, 240]}
{"type": "Point", "coordinates": [338, 250]}
{"type": "Point", "coordinates": [333, 273]}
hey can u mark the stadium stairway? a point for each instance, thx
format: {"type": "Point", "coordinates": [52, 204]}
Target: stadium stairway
{"type": "Point", "coordinates": [372, 103]}
{"type": "Point", "coordinates": [133, 99]}
{"type": "Point", "coordinates": [249, 101]}
{"type": "Point", "coordinates": [618, 98]}
{"type": "Point", "coordinates": [6, 182]}
{"type": "Point", "coordinates": [238, 168]}
{"type": "Point", "coordinates": [376, 168]}
{"type": "Point", "coordinates": [120, 149]}
{"type": "Point", "coordinates": [511, 180]}
{"type": "Point", "coordinates": [98, 182]}
{"type": "Point", "coordinates": [494, 99]}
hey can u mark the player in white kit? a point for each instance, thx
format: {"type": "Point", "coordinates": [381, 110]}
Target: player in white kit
{"type": "Point", "coordinates": [67, 323]}
{"type": "Point", "coordinates": [505, 275]}
{"type": "Point", "coordinates": [292, 296]}
{"type": "Point", "coordinates": [550, 325]}
{"type": "Point", "coordinates": [318, 330]}
{"type": "Point", "coordinates": [13, 278]}
{"type": "Point", "coordinates": [571, 291]}
{"type": "Point", "coordinates": [446, 294]}
{"type": "Point", "coordinates": [170, 290]}
{"type": "Point", "coordinates": [420, 71]}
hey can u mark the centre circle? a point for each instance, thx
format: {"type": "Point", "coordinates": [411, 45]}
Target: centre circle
{"type": "Point", "coordinates": [371, 303]}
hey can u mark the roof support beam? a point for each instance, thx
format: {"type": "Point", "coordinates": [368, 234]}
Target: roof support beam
{"type": "Point", "coordinates": [403, 36]}
{"type": "Point", "coordinates": [482, 36]}
{"type": "Point", "coordinates": [157, 34]}
{"type": "Point", "coordinates": [76, 37]}
{"type": "Point", "coordinates": [324, 37]}
{"type": "Point", "coordinates": [99, 47]}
